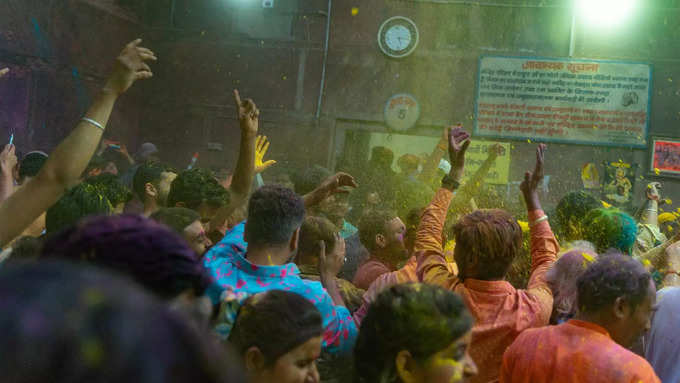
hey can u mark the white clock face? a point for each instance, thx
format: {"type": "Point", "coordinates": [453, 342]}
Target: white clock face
{"type": "Point", "coordinates": [398, 38]}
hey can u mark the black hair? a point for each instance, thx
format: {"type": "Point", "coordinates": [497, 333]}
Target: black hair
{"type": "Point", "coordinates": [31, 164]}
{"type": "Point", "coordinates": [148, 172]}
{"type": "Point", "coordinates": [276, 322]}
{"type": "Point", "coordinates": [176, 218]}
{"type": "Point", "coordinates": [70, 323]}
{"type": "Point", "coordinates": [196, 186]}
{"type": "Point", "coordinates": [382, 157]}
{"type": "Point", "coordinates": [109, 186]}
{"type": "Point", "coordinates": [96, 162]}
{"type": "Point", "coordinates": [612, 276]}
{"type": "Point", "coordinates": [114, 155]}
{"type": "Point", "coordinates": [149, 252]}
{"type": "Point", "coordinates": [422, 319]}
{"type": "Point", "coordinates": [313, 230]}
{"type": "Point", "coordinates": [311, 179]}
{"type": "Point", "coordinates": [372, 224]}
{"type": "Point", "coordinates": [570, 213]}
{"type": "Point", "coordinates": [26, 247]}
{"type": "Point", "coordinates": [80, 201]}
{"type": "Point", "coordinates": [274, 213]}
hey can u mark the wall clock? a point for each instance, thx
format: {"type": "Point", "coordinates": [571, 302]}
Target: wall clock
{"type": "Point", "coordinates": [398, 37]}
{"type": "Point", "coordinates": [402, 111]}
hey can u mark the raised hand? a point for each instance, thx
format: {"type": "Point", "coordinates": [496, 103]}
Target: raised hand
{"type": "Point", "coordinates": [8, 160]}
{"type": "Point", "coordinates": [529, 186]}
{"type": "Point", "coordinates": [459, 141]}
{"type": "Point", "coordinates": [653, 191]}
{"type": "Point", "coordinates": [261, 148]}
{"type": "Point", "coordinates": [248, 114]}
{"type": "Point", "coordinates": [337, 183]}
{"type": "Point", "coordinates": [3, 72]}
{"type": "Point", "coordinates": [496, 150]}
{"type": "Point", "coordinates": [130, 66]}
{"type": "Point", "coordinates": [330, 264]}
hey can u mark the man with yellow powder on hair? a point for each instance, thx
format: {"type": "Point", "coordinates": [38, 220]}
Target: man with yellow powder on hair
{"type": "Point", "coordinates": [487, 241]}
{"type": "Point", "coordinates": [669, 223]}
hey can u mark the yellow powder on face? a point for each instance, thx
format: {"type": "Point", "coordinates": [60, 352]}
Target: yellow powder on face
{"type": "Point", "coordinates": [457, 367]}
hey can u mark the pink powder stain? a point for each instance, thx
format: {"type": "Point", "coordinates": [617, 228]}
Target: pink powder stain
{"type": "Point", "coordinates": [254, 267]}
{"type": "Point", "coordinates": [328, 337]}
{"type": "Point", "coordinates": [283, 273]}
{"type": "Point", "coordinates": [240, 283]}
{"type": "Point", "coordinates": [260, 283]}
{"type": "Point", "coordinates": [272, 275]}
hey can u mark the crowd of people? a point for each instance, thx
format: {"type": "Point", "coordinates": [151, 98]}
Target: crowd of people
{"type": "Point", "coordinates": [118, 266]}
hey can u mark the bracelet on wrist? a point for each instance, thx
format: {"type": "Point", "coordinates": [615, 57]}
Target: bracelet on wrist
{"type": "Point", "coordinates": [539, 220]}
{"type": "Point", "coordinates": [93, 123]}
{"type": "Point", "coordinates": [450, 183]}
{"type": "Point", "coordinates": [671, 272]}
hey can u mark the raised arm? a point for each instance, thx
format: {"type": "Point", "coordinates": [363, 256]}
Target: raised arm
{"type": "Point", "coordinates": [8, 161]}
{"type": "Point", "coordinates": [331, 185]}
{"type": "Point", "coordinates": [67, 162]}
{"type": "Point", "coordinates": [340, 332]}
{"type": "Point", "coordinates": [544, 247]}
{"type": "Point", "coordinates": [329, 267]}
{"type": "Point", "coordinates": [672, 270]}
{"type": "Point", "coordinates": [432, 162]}
{"type": "Point", "coordinates": [467, 191]}
{"type": "Point", "coordinates": [432, 266]}
{"type": "Point", "coordinates": [248, 117]}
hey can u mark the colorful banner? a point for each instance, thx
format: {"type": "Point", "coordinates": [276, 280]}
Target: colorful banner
{"type": "Point", "coordinates": [563, 100]}
{"type": "Point", "coordinates": [666, 157]}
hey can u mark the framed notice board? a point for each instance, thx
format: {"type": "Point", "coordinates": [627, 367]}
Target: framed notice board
{"type": "Point", "coordinates": [563, 100]}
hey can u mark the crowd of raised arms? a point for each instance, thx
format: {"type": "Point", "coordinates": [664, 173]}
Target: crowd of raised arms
{"type": "Point", "coordinates": [118, 267]}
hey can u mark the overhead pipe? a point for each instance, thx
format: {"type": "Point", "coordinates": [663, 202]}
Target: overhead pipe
{"type": "Point", "coordinates": [325, 59]}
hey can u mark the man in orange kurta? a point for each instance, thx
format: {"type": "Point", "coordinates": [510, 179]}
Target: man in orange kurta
{"type": "Point", "coordinates": [501, 312]}
{"type": "Point", "coordinates": [591, 348]}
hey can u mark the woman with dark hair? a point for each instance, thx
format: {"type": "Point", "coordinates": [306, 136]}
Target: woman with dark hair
{"type": "Point", "coordinates": [75, 323]}
{"type": "Point", "coordinates": [147, 251]}
{"type": "Point", "coordinates": [277, 333]}
{"type": "Point", "coordinates": [415, 333]}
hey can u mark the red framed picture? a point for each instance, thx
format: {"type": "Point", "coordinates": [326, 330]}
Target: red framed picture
{"type": "Point", "coordinates": [665, 156]}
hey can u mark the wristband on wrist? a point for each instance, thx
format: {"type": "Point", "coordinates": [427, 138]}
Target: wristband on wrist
{"type": "Point", "coordinates": [93, 123]}
{"type": "Point", "coordinates": [536, 222]}
{"type": "Point", "coordinates": [450, 183]}
{"type": "Point", "coordinates": [665, 274]}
